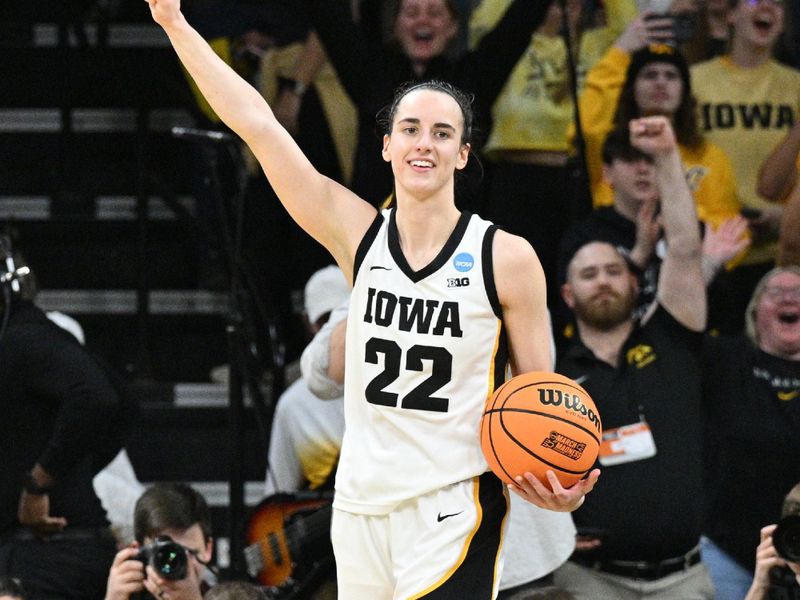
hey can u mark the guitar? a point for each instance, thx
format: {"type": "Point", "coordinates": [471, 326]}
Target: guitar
{"type": "Point", "coordinates": [289, 544]}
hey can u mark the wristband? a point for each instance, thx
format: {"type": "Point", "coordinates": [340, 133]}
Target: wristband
{"type": "Point", "coordinates": [32, 487]}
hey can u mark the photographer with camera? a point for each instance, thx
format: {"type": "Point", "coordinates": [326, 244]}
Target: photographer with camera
{"type": "Point", "coordinates": [173, 547]}
{"type": "Point", "coordinates": [777, 575]}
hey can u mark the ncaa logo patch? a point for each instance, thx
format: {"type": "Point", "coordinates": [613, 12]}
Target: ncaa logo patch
{"type": "Point", "coordinates": [463, 262]}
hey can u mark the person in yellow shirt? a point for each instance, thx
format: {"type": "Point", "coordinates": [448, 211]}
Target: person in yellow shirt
{"type": "Point", "coordinates": [747, 103]}
{"type": "Point", "coordinates": [528, 145]}
{"type": "Point", "coordinates": [639, 76]}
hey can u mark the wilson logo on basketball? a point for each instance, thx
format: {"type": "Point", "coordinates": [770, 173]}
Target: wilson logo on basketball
{"type": "Point", "coordinates": [564, 445]}
{"type": "Point", "coordinates": [550, 396]}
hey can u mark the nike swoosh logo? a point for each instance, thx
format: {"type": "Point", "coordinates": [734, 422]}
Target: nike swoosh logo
{"type": "Point", "coordinates": [581, 379]}
{"type": "Point", "coordinates": [440, 517]}
{"type": "Point", "coordinates": [786, 396]}
{"type": "Point", "coordinates": [373, 268]}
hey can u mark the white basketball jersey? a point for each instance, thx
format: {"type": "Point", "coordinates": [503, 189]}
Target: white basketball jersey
{"type": "Point", "coordinates": [424, 351]}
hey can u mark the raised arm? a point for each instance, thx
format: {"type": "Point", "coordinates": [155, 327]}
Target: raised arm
{"type": "Point", "coordinates": [327, 211]}
{"type": "Point", "coordinates": [356, 59]}
{"type": "Point", "coordinates": [681, 287]}
{"type": "Point", "coordinates": [599, 97]}
{"type": "Point", "coordinates": [495, 56]}
{"type": "Point", "coordinates": [789, 240]}
{"type": "Point", "coordinates": [311, 60]}
{"type": "Point", "coordinates": [619, 14]}
{"type": "Point", "coordinates": [778, 173]}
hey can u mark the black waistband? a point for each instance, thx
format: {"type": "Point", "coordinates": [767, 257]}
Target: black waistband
{"type": "Point", "coordinates": [646, 570]}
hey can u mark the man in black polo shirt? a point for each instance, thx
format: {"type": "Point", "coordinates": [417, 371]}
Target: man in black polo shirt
{"type": "Point", "coordinates": [644, 518]}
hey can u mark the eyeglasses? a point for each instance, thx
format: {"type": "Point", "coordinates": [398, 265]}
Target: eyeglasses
{"type": "Point", "coordinates": [778, 293]}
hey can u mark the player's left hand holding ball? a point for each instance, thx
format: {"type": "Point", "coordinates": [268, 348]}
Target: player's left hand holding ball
{"type": "Point", "coordinates": [560, 499]}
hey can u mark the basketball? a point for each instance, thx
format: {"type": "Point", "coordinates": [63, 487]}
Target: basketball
{"type": "Point", "coordinates": [539, 421]}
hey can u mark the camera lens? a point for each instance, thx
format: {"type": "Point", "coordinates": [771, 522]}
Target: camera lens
{"type": "Point", "coordinates": [169, 560]}
{"type": "Point", "coordinates": [786, 538]}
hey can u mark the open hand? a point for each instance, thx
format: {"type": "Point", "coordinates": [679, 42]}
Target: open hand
{"type": "Point", "coordinates": [559, 499]}
{"type": "Point", "coordinates": [726, 241]}
{"type": "Point", "coordinates": [648, 230]}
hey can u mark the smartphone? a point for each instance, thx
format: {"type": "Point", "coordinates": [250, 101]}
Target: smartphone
{"type": "Point", "coordinates": [684, 26]}
{"type": "Point", "coordinates": [750, 213]}
{"type": "Point", "coordinates": [681, 29]}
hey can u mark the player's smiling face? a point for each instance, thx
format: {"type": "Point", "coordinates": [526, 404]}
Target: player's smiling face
{"type": "Point", "coordinates": [425, 145]}
{"type": "Point", "coordinates": [778, 316]}
{"type": "Point", "coordinates": [424, 28]}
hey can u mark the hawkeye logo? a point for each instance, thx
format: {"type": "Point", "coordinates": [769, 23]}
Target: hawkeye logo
{"type": "Point", "coordinates": [641, 356]}
{"type": "Point", "coordinates": [788, 396]}
{"type": "Point", "coordinates": [564, 445]}
{"type": "Point", "coordinates": [695, 176]}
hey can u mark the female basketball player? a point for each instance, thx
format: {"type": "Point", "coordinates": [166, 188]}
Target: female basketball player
{"type": "Point", "coordinates": [440, 302]}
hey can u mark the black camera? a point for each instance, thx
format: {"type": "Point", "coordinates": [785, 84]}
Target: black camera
{"type": "Point", "coordinates": [168, 558]}
{"type": "Point", "coordinates": [786, 538]}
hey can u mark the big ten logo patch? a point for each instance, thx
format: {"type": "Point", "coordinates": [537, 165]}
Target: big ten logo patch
{"type": "Point", "coordinates": [641, 356]}
{"type": "Point", "coordinates": [564, 445]}
{"type": "Point", "coordinates": [457, 282]}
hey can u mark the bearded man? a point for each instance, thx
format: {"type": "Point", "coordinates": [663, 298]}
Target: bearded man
{"type": "Point", "coordinates": [639, 531]}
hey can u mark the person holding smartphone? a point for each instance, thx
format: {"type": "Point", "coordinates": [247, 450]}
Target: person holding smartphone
{"type": "Point", "coordinates": [747, 103]}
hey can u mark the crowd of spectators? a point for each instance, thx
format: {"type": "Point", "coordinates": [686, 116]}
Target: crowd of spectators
{"type": "Point", "coordinates": [675, 299]}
